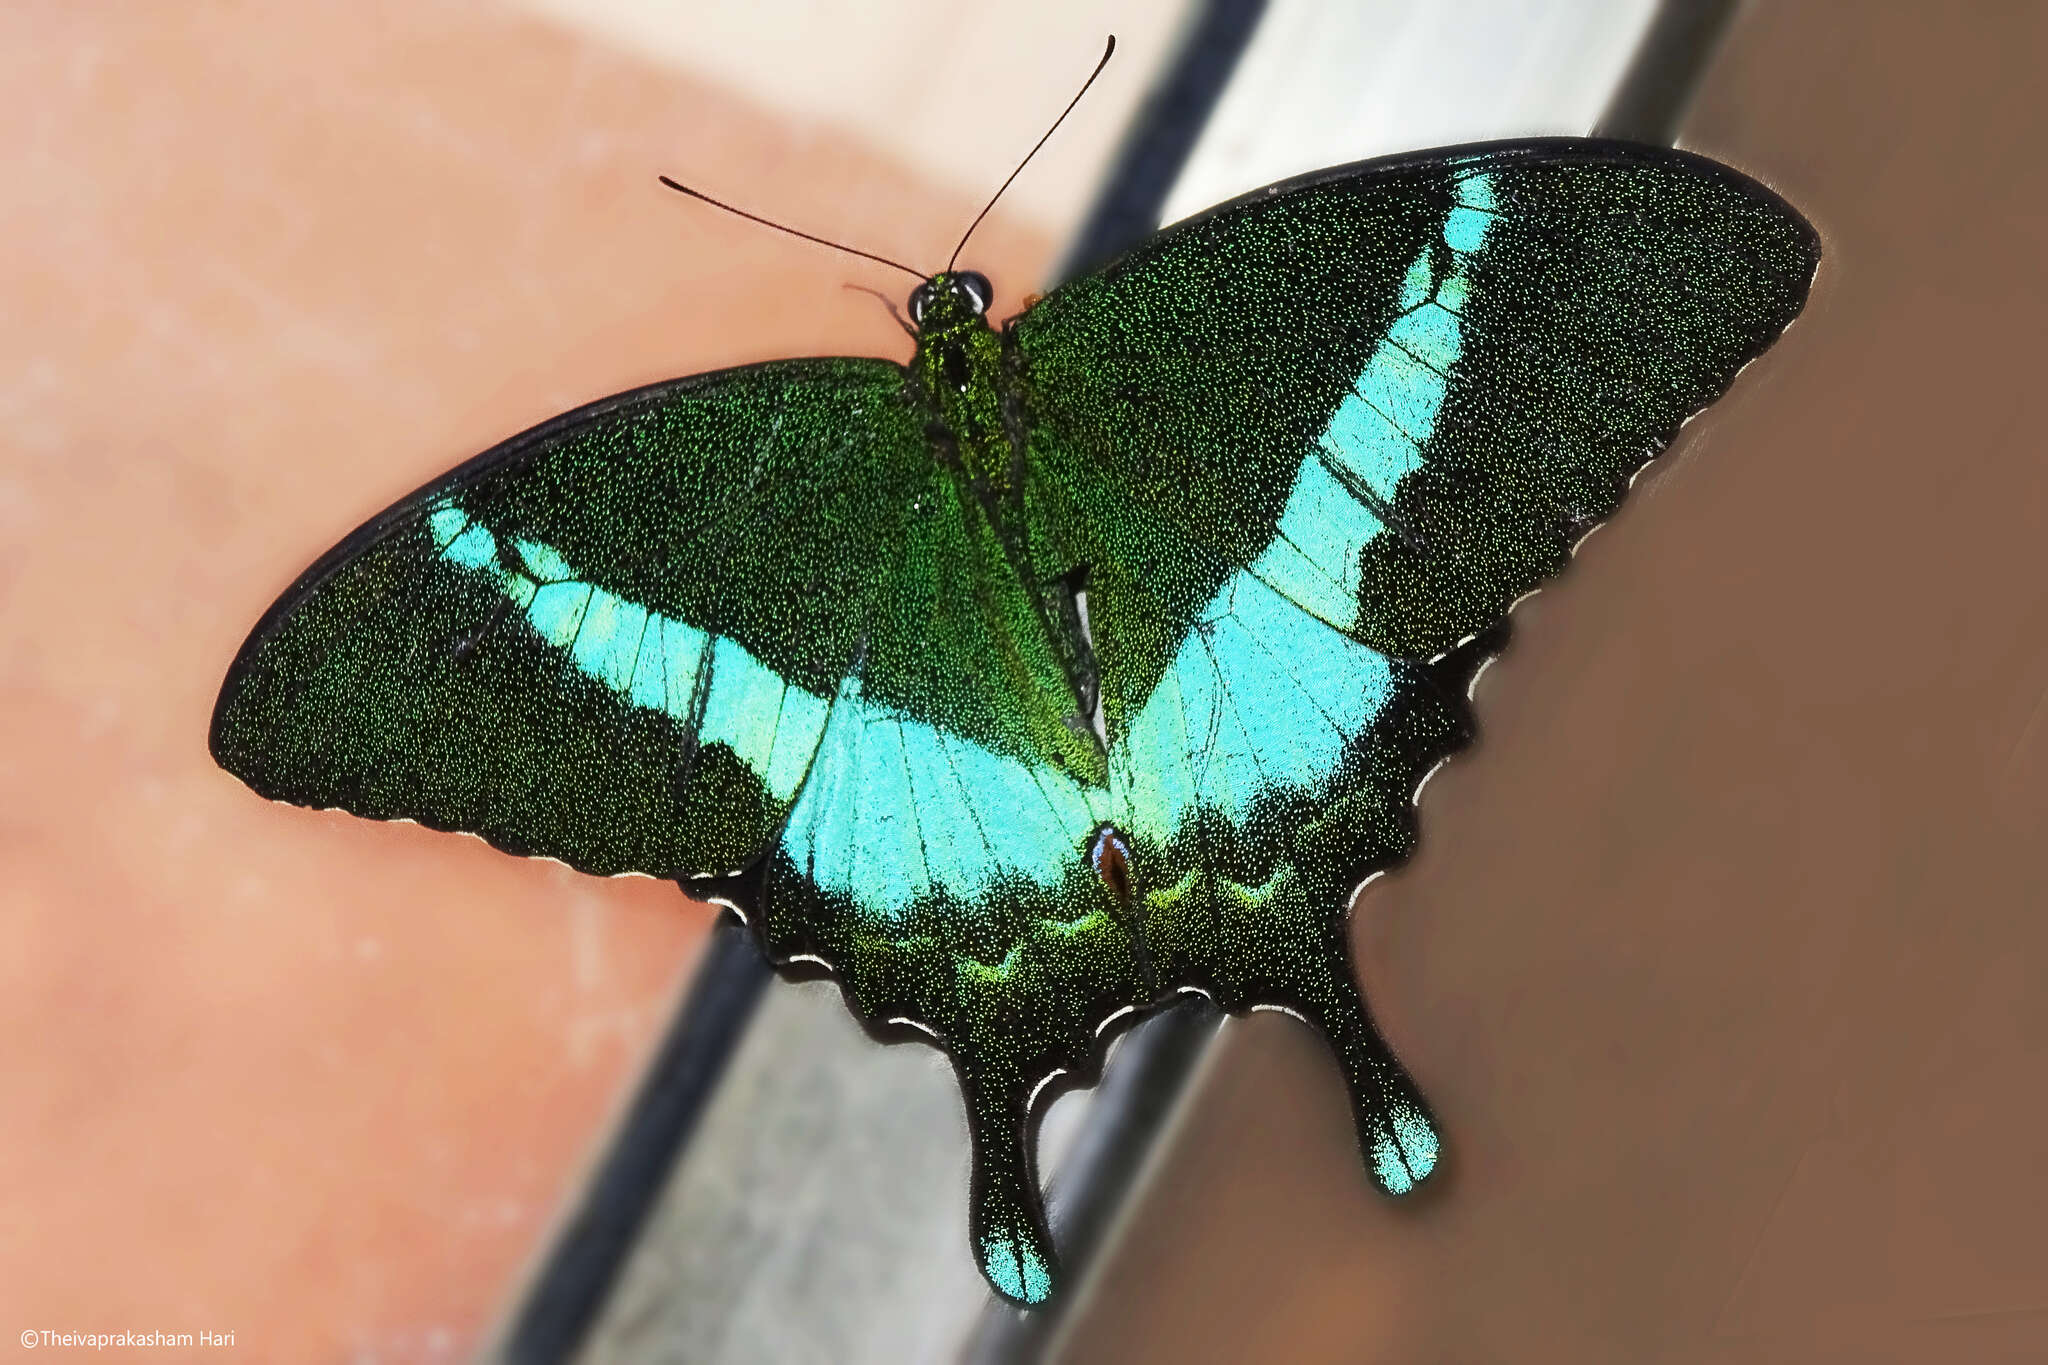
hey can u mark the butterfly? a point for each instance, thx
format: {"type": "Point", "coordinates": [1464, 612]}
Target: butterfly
{"type": "Point", "coordinates": [1078, 663]}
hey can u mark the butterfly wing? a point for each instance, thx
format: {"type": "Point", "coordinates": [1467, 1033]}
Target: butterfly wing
{"type": "Point", "coordinates": [1399, 392]}
{"type": "Point", "coordinates": [746, 630]}
{"type": "Point", "coordinates": [613, 640]}
{"type": "Point", "coordinates": [1307, 441]}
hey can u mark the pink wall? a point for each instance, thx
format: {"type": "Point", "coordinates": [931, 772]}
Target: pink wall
{"type": "Point", "coordinates": [322, 1083]}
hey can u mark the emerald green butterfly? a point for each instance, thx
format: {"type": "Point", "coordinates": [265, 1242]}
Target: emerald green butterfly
{"type": "Point", "coordinates": [1077, 664]}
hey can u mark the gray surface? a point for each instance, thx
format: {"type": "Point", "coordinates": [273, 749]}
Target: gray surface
{"type": "Point", "coordinates": [816, 1128]}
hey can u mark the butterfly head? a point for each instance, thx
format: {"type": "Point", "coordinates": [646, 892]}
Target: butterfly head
{"type": "Point", "coordinates": [950, 300]}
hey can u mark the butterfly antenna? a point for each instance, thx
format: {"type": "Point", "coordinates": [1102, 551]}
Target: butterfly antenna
{"type": "Point", "coordinates": [1033, 152]}
{"type": "Point", "coordinates": [769, 222]}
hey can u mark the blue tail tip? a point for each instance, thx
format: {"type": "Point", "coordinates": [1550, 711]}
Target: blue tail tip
{"type": "Point", "coordinates": [1404, 1149]}
{"type": "Point", "coordinates": [1016, 1268]}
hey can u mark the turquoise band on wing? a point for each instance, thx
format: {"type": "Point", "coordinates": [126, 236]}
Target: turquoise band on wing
{"type": "Point", "coordinates": [1380, 431]}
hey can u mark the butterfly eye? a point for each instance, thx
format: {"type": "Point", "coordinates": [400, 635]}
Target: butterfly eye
{"type": "Point", "coordinates": [920, 299]}
{"type": "Point", "coordinates": [973, 286]}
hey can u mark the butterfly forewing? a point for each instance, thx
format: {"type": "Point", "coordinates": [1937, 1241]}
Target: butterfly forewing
{"type": "Point", "coordinates": [1396, 393]}
{"type": "Point", "coordinates": [613, 640]}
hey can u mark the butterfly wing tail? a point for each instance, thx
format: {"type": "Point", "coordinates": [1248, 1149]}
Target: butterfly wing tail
{"type": "Point", "coordinates": [1006, 1220]}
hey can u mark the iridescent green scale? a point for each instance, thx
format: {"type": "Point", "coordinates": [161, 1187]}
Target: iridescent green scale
{"type": "Point", "coordinates": [1078, 664]}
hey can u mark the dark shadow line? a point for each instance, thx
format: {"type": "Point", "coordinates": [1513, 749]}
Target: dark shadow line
{"type": "Point", "coordinates": [570, 1290]}
{"type": "Point", "coordinates": [1162, 135]}
{"type": "Point", "coordinates": [1666, 70]}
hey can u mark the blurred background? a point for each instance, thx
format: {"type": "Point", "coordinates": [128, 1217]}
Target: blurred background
{"type": "Point", "coordinates": [1722, 956]}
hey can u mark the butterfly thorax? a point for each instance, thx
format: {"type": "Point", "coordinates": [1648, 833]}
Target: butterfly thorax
{"type": "Point", "coordinates": [958, 374]}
